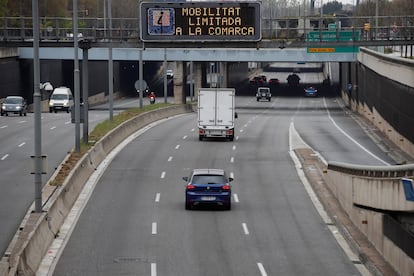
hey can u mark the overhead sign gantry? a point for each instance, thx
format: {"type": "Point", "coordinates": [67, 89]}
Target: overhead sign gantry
{"type": "Point", "coordinates": [200, 21]}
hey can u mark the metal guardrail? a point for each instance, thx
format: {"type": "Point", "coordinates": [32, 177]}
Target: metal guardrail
{"type": "Point", "coordinates": [389, 30]}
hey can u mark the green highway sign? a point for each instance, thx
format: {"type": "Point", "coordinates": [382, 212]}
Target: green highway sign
{"type": "Point", "coordinates": [327, 36]}
{"type": "Point", "coordinates": [332, 36]}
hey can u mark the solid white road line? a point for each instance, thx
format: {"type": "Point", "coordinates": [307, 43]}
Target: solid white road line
{"type": "Point", "coordinates": [318, 205]}
{"type": "Point", "coordinates": [352, 139]}
{"type": "Point", "coordinates": [261, 269]}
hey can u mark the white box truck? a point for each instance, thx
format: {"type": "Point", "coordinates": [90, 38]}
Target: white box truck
{"type": "Point", "coordinates": [216, 113]}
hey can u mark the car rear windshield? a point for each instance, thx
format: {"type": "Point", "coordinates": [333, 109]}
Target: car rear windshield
{"type": "Point", "coordinates": [208, 179]}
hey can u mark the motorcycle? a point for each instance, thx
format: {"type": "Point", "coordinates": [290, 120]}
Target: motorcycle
{"type": "Point", "coordinates": [152, 99]}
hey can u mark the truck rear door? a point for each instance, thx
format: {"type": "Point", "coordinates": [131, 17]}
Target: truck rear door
{"type": "Point", "coordinates": [207, 108]}
{"type": "Point", "coordinates": [225, 107]}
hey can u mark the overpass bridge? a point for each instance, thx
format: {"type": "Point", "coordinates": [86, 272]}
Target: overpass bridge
{"type": "Point", "coordinates": [288, 39]}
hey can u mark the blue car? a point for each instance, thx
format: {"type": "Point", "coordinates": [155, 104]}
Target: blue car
{"type": "Point", "coordinates": [311, 91]}
{"type": "Point", "coordinates": [208, 186]}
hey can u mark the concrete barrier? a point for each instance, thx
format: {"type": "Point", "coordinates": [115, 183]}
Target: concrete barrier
{"type": "Point", "coordinates": [368, 194]}
{"type": "Point", "coordinates": [40, 229]}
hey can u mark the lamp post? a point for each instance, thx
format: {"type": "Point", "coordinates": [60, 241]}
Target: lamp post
{"type": "Point", "coordinates": [110, 66]}
{"type": "Point", "coordinates": [76, 76]}
{"type": "Point", "coordinates": [37, 111]}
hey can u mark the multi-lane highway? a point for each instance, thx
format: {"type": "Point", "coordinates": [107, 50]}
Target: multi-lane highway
{"type": "Point", "coordinates": [16, 147]}
{"type": "Point", "coordinates": [135, 222]}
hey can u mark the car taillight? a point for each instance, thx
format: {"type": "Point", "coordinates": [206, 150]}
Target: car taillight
{"type": "Point", "coordinates": [201, 131]}
{"type": "Point", "coordinates": [226, 187]}
{"type": "Point", "coordinates": [229, 132]}
{"type": "Point", "coordinates": [190, 186]}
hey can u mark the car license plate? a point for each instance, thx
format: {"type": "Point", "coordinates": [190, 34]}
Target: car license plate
{"type": "Point", "coordinates": [208, 198]}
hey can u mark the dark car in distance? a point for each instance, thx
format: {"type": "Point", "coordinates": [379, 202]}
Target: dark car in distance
{"type": "Point", "coordinates": [14, 105]}
{"type": "Point", "coordinates": [208, 186]}
{"type": "Point", "coordinates": [273, 82]}
{"type": "Point", "coordinates": [311, 91]}
{"type": "Point", "coordinates": [263, 93]}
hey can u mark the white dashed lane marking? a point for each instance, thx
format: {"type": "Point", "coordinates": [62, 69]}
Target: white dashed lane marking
{"type": "Point", "coordinates": [4, 157]}
{"type": "Point", "coordinates": [170, 159]}
{"type": "Point", "coordinates": [163, 175]}
{"type": "Point", "coordinates": [177, 146]}
{"type": "Point", "coordinates": [22, 144]}
{"type": "Point", "coordinates": [157, 197]}
{"type": "Point", "coordinates": [154, 228]}
{"type": "Point", "coordinates": [261, 269]}
{"type": "Point", "coordinates": [245, 229]}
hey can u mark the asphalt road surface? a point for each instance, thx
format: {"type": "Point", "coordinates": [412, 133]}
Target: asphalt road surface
{"type": "Point", "coordinates": [135, 222]}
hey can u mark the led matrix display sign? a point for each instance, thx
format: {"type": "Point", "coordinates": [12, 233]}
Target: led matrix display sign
{"type": "Point", "coordinates": [205, 21]}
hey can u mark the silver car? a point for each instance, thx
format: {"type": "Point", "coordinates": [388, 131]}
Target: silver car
{"type": "Point", "coordinates": [14, 105]}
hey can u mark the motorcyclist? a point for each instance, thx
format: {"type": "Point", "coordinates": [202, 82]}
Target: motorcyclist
{"type": "Point", "coordinates": [152, 96]}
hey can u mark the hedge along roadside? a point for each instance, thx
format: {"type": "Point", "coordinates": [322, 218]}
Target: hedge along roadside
{"type": "Point", "coordinates": [40, 229]}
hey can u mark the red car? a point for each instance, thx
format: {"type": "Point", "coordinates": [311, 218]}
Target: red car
{"type": "Point", "coordinates": [259, 80]}
{"type": "Point", "coordinates": [274, 81]}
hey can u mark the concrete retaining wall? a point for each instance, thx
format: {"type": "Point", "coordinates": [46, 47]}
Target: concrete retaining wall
{"type": "Point", "coordinates": [40, 229]}
{"type": "Point", "coordinates": [363, 193]}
